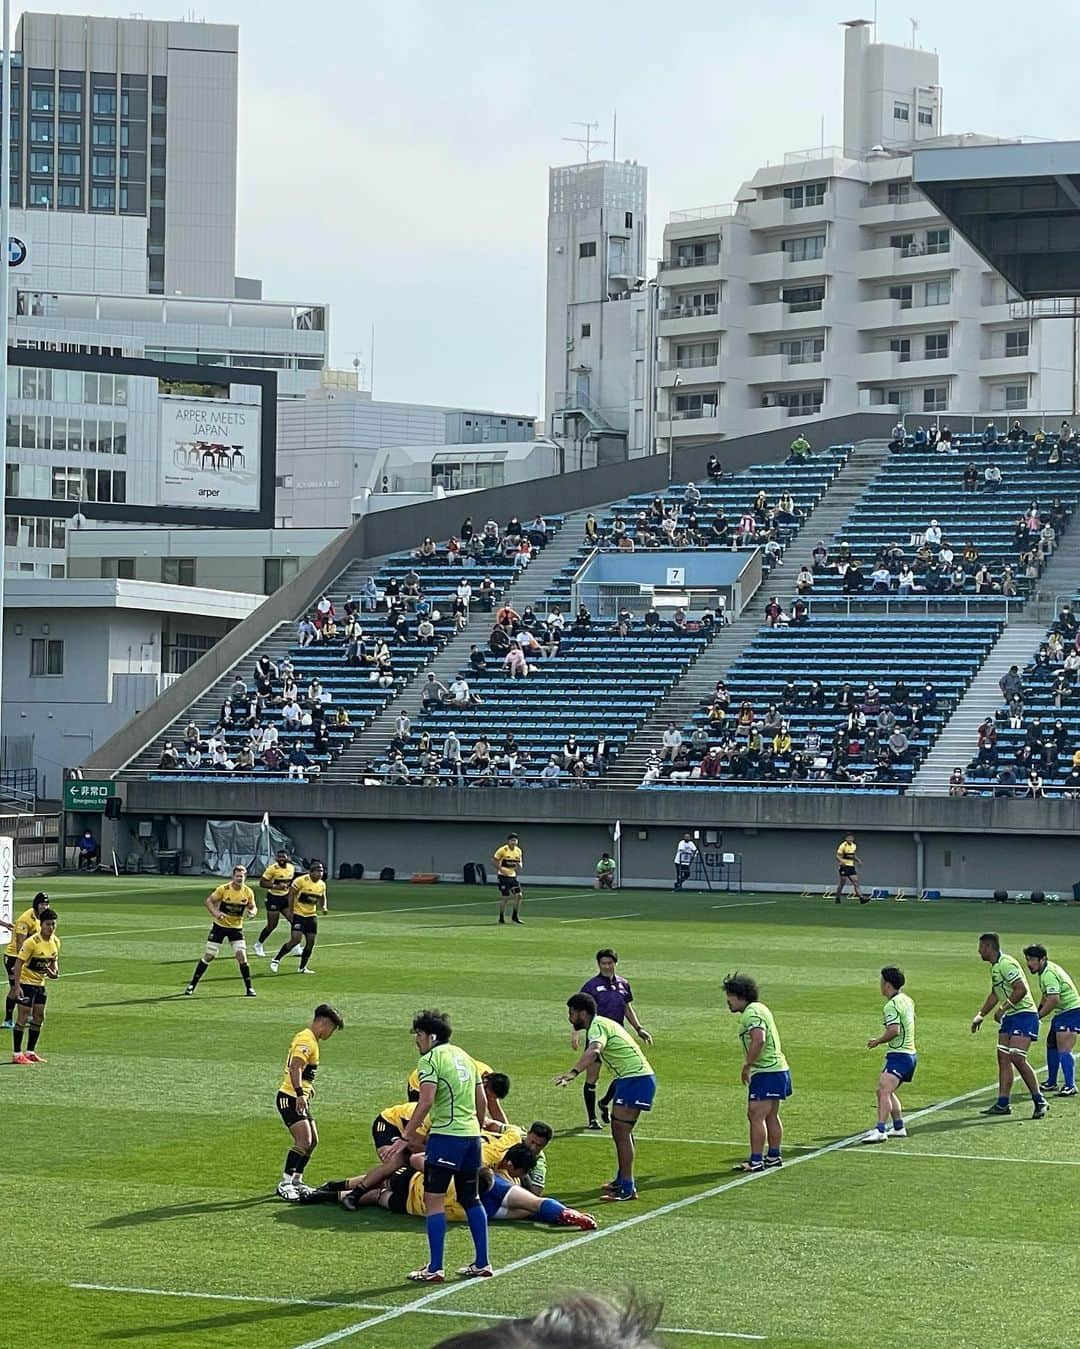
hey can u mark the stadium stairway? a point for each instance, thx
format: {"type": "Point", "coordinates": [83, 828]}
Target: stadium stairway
{"type": "Point", "coordinates": [1060, 579]}
{"type": "Point", "coordinates": [369, 748]}
{"type": "Point", "coordinates": [956, 745]}
{"type": "Point", "coordinates": [823, 521]}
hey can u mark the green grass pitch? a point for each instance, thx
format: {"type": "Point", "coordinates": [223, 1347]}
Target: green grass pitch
{"type": "Point", "coordinates": [143, 1157]}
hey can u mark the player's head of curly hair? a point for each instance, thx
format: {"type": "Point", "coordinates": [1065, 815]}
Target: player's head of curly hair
{"type": "Point", "coordinates": [894, 975]}
{"type": "Point", "coordinates": [433, 1022]}
{"type": "Point", "coordinates": [581, 1321]}
{"type": "Point", "coordinates": [741, 986]}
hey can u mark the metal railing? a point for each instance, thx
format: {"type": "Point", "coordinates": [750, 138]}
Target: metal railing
{"type": "Point", "coordinates": [688, 311]}
{"type": "Point", "coordinates": [988, 606]}
{"type": "Point", "coordinates": [814, 152]}
{"type": "Point", "coordinates": [691, 363]}
{"type": "Point", "coordinates": [921, 250]}
{"type": "Point", "coordinates": [693, 414]}
{"type": "Point", "coordinates": [708, 259]}
{"type": "Point", "coordinates": [719, 212]}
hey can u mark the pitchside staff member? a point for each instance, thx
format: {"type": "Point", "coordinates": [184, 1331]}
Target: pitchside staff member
{"type": "Point", "coordinates": [277, 881]}
{"type": "Point", "coordinates": [684, 860]}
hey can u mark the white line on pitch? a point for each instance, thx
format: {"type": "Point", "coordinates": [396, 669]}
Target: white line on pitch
{"type": "Point", "coordinates": [659, 1138]}
{"type": "Point", "coordinates": [74, 974]}
{"type": "Point", "coordinates": [365, 1306]}
{"type": "Point", "coordinates": [747, 904]}
{"type": "Point", "coordinates": [973, 1157]}
{"type": "Point", "coordinates": [447, 1290]}
{"type": "Point", "coordinates": [131, 931]}
{"type": "Point", "coordinates": [599, 917]}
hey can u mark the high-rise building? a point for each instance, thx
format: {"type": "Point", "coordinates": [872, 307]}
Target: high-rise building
{"type": "Point", "coordinates": [832, 284]}
{"type": "Point", "coordinates": [597, 364]}
{"type": "Point", "coordinates": [133, 120]}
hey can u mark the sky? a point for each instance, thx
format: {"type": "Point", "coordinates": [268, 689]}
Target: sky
{"type": "Point", "coordinates": [393, 157]}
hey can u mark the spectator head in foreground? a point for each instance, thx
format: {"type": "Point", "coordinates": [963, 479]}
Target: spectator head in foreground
{"type": "Point", "coordinates": [580, 1321]}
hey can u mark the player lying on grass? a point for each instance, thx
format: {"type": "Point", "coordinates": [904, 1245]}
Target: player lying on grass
{"type": "Point", "coordinates": [401, 1190]}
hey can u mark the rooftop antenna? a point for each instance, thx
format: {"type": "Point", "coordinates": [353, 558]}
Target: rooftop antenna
{"type": "Point", "coordinates": [587, 142]}
{"type": "Point", "coordinates": [614, 133]}
{"type": "Point", "coordinates": [358, 366]}
{"type": "Point", "coordinates": [914, 31]}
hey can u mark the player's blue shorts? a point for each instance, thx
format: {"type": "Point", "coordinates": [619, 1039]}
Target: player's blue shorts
{"type": "Point", "coordinates": [770, 1086]}
{"type": "Point", "coordinates": [635, 1092]}
{"type": "Point", "coordinates": [1020, 1023]}
{"type": "Point", "coordinates": [459, 1154]}
{"type": "Point", "coordinates": [492, 1200]}
{"type": "Point", "coordinates": [1066, 1020]}
{"type": "Point", "coordinates": [901, 1065]}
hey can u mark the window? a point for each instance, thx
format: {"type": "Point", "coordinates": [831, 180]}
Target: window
{"type": "Point", "coordinates": [800, 299]}
{"type": "Point", "coordinates": [696, 253]}
{"type": "Point", "coordinates": [901, 241]}
{"type": "Point", "coordinates": [804, 194]}
{"type": "Point", "coordinates": [901, 293]}
{"type": "Point", "coordinates": [938, 292]}
{"type": "Point", "coordinates": [935, 398]}
{"type": "Point", "coordinates": [803, 350]}
{"type": "Point", "coordinates": [468, 474]}
{"type": "Point", "coordinates": [805, 249]}
{"type": "Point", "coordinates": [42, 100]}
{"type": "Point", "coordinates": [900, 398]}
{"type": "Point", "coordinates": [104, 103]}
{"type": "Point", "coordinates": [46, 656]}
{"type": "Point", "coordinates": [104, 133]}
{"type": "Point", "coordinates": [898, 193]}
{"type": "Point", "coordinates": [936, 346]}
{"type": "Point", "coordinates": [693, 304]}
{"type": "Point", "coordinates": [628, 220]}
{"type": "Point", "coordinates": [103, 166]}
{"type": "Point", "coordinates": [69, 196]}
{"type": "Point", "coordinates": [587, 250]}
{"type": "Point", "coordinates": [41, 161]}
{"type": "Point", "coordinates": [692, 406]}
{"type": "Point", "coordinates": [178, 571]}
{"type": "Point", "coordinates": [1017, 342]}
{"type": "Point", "coordinates": [799, 402]}
{"type": "Point", "coordinates": [70, 164]}
{"type": "Point", "coordinates": [71, 100]}
{"type": "Point", "coordinates": [586, 330]}
{"type": "Point", "coordinates": [39, 194]}
{"type": "Point", "coordinates": [118, 568]}
{"type": "Point", "coordinates": [926, 117]}
{"type": "Point", "coordinates": [278, 571]}
{"type": "Point", "coordinates": [70, 133]}
{"type": "Point", "coordinates": [102, 198]}
{"type": "Point", "coordinates": [901, 112]}
{"type": "Point", "coordinates": [41, 133]}
{"type": "Point", "coordinates": [105, 484]}
{"type": "Point", "coordinates": [187, 648]}
{"type": "Point", "coordinates": [695, 355]}
{"type": "Point", "coordinates": [901, 347]}
{"type": "Point", "coordinates": [938, 241]}
{"type": "Point", "coordinates": [1016, 397]}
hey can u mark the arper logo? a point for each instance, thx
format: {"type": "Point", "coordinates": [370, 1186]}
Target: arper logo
{"type": "Point", "coordinates": [209, 492]}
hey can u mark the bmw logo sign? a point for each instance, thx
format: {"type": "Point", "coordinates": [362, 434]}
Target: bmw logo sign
{"type": "Point", "coordinates": [16, 252]}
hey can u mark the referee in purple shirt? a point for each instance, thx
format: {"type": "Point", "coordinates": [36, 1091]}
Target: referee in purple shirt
{"type": "Point", "coordinates": [614, 999]}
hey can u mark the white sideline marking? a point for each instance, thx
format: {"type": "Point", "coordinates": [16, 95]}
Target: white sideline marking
{"type": "Point", "coordinates": [658, 1138]}
{"type": "Point", "coordinates": [973, 1157]}
{"type": "Point", "coordinates": [748, 904]}
{"type": "Point", "coordinates": [131, 931]}
{"type": "Point", "coordinates": [599, 917]}
{"type": "Point", "coordinates": [446, 1290]}
{"type": "Point", "coordinates": [76, 973]}
{"type": "Point", "coordinates": [365, 1306]}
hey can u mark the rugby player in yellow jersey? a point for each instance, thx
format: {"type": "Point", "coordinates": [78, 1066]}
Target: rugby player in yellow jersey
{"type": "Point", "coordinates": [295, 1093]}
{"type": "Point", "coordinates": [847, 865]}
{"type": "Point", "coordinates": [508, 860]}
{"type": "Point", "coordinates": [496, 1090]}
{"type": "Point", "coordinates": [307, 897]}
{"type": "Point", "coordinates": [276, 881]}
{"type": "Point", "coordinates": [38, 960]}
{"type": "Point", "coordinates": [24, 926]}
{"type": "Point", "coordinates": [228, 905]}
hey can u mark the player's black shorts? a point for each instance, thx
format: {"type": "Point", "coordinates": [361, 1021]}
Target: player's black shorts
{"type": "Point", "coordinates": [286, 1108]}
{"type": "Point", "coordinates": [219, 934]}
{"type": "Point", "coordinates": [847, 871]}
{"type": "Point", "coordinates": [9, 965]}
{"type": "Point", "coordinates": [34, 995]}
{"type": "Point", "coordinates": [398, 1187]}
{"type": "Point", "coordinates": [277, 903]}
{"type": "Point", "coordinates": [509, 885]}
{"type": "Point", "coordinates": [308, 926]}
{"type": "Point", "coordinates": [384, 1133]}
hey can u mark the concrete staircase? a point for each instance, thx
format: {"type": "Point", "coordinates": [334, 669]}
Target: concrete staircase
{"type": "Point", "coordinates": [958, 741]}
{"type": "Point", "coordinates": [687, 695]}
{"type": "Point", "coordinates": [368, 748]}
{"type": "Point", "coordinates": [1060, 578]}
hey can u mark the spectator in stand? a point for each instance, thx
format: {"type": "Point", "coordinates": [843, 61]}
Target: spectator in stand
{"type": "Point", "coordinates": [920, 439]}
{"type": "Point", "coordinates": [583, 621]}
{"type": "Point", "coordinates": [273, 757]}
{"type": "Point", "coordinates": [550, 773]}
{"type": "Point", "coordinates": [932, 535]}
{"type": "Point", "coordinates": [971, 477]}
{"type": "Point", "coordinates": [714, 469]}
{"type": "Point", "coordinates": [306, 632]}
{"type": "Point", "coordinates": [880, 579]}
{"type": "Point", "coordinates": [800, 450]}
{"type": "Point", "coordinates": [1011, 684]}
{"type": "Point", "coordinates": [671, 742]}
{"type": "Point", "coordinates": [957, 786]}
{"type": "Point", "coordinates": [989, 436]}
{"type": "Point", "coordinates": [193, 758]}
{"type": "Point", "coordinates": [820, 558]}
{"type": "Point", "coordinates": [1034, 786]}
{"type": "Point", "coordinates": [515, 665]}
{"type": "Point", "coordinates": [853, 581]}
{"type": "Point", "coordinates": [774, 612]}
{"type": "Point", "coordinates": [460, 693]}
{"type": "Point", "coordinates": [169, 757]}
{"type": "Point", "coordinates": [571, 751]}
{"type": "Point", "coordinates": [992, 479]}
{"type": "Point", "coordinates": [299, 763]}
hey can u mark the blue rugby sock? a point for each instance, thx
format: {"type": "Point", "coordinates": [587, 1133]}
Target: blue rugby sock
{"type": "Point", "coordinates": [1052, 1059]}
{"type": "Point", "coordinates": [1068, 1067]}
{"type": "Point", "coordinates": [478, 1226]}
{"type": "Point", "coordinates": [898, 1123]}
{"type": "Point", "coordinates": [550, 1211]}
{"type": "Point", "coordinates": [436, 1235]}
{"type": "Point", "coordinates": [881, 1126]}
{"type": "Point", "coordinates": [773, 1152]}
{"type": "Point", "coordinates": [756, 1157]}
{"type": "Point", "coordinates": [1003, 1100]}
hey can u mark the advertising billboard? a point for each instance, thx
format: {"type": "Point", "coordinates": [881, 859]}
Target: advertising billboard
{"type": "Point", "coordinates": [209, 454]}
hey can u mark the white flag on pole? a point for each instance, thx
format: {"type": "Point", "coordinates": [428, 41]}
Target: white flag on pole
{"type": "Point", "coordinates": [617, 832]}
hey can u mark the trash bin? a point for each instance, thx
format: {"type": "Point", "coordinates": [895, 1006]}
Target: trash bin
{"type": "Point", "coordinates": [168, 861]}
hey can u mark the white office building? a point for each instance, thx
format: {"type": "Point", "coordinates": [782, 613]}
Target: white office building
{"type": "Point", "coordinates": [598, 365]}
{"type": "Point", "coordinates": [831, 284]}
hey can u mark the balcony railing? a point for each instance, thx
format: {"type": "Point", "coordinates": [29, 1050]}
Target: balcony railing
{"type": "Point", "coordinates": [707, 259]}
{"type": "Point", "coordinates": [921, 250]}
{"type": "Point", "coordinates": [693, 414]}
{"type": "Point", "coordinates": [691, 363]}
{"type": "Point", "coordinates": [689, 311]}
{"type": "Point", "coordinates": [815, 152]}
{"type": "Point", "coordinates": [724, 210]}
{"type": "Point", "coordinates": [803, 357]}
